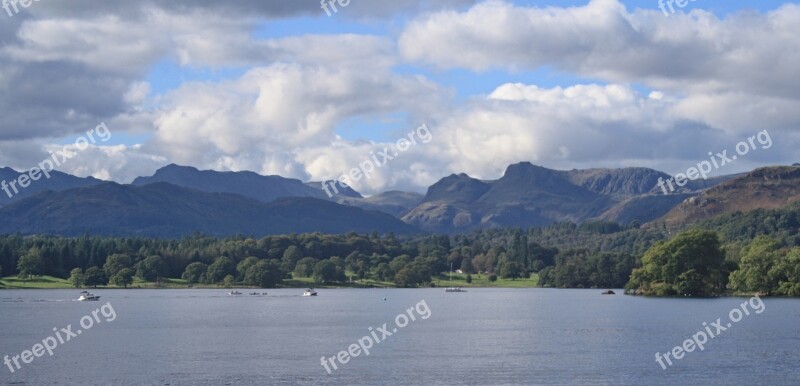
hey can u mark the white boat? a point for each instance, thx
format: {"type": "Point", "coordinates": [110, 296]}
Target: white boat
{"type": "Point", "coordinates": [87, 296]}
{"type": "Point", "coordinates": [234, 293]}
{"type": "Point", "coordinates": [310, 292]}
{"type": "Point", "coordinates": [453, 289]}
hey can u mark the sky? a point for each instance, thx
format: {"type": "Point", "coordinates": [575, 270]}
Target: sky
{"type": "Point", "coordinates": [288, 88]}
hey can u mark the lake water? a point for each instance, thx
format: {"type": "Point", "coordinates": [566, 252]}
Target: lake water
{"type": "Point", "coordinates": [484, 336]}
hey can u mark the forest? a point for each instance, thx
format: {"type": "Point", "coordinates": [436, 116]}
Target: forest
{"type": "Point", "coordinates": [742, 252]}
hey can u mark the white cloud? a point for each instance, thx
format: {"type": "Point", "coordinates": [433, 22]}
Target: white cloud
{"type": "Point", "coordinates": [751, 52]}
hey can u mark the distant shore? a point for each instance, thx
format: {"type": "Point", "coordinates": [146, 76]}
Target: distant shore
{"type": "Point", "coordinates": [457, 280]}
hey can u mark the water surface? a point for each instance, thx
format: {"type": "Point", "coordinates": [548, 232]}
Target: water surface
{"type": "Point", "coordinates": [484, 336]}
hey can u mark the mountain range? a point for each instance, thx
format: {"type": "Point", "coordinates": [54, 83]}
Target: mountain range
{"type": "Point", "coordinates": [181, 200]}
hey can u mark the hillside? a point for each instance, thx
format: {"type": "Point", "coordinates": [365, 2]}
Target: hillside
{"type": "Point", "coordinates": [765, 188]}
{"type": "Point", "coordinates": [165, 210]}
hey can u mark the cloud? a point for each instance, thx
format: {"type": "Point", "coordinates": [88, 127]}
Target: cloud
{"type": "Point", "coordinates": [264, 119]}
{"type": "Point", "coordinates": [696, 52]}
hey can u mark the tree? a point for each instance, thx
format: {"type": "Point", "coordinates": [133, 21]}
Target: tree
{"type": "Point", "coordinates": [692, 263]}
{"type": "Point", "coordinates": [290, 258]}
{"type": "Point", "coordinates": [195, 272]}
{"type": "Point", "coordinates": [757, 261]}
{"type": "Point", "coordinates": [123, 278]}
{"type": "Point", "coordinates": [152, 268]}
{"type": "Point", "coordinates": [95, 276]}
{"type": "Point", "coordinates": [265, 274]}
{"type": "Point", "coordinates": [30, 264]}
{"type": "Point", "coordinates": [115, 263]}
{"type": "Point", "coordinates": [510, 270]}
{"type": "Point", "coordinates": [220, 268]}
{"type": "Point", "coordinates": [469, 279]}
{"type": "Point", "coordinates": [76, 277]}
{"type": "Point", "coordinates": [244, 265]}
{"type": "Point", "coordinates": [228, 281]}
{"type": "Point", "coordinates": [492, 278]}
{"type": "Point", "coordinates": [305, 267]}
{"type": "Point", "coordinates": [324, 272]}
{"type": "Point", "coordinates": [384, 272]}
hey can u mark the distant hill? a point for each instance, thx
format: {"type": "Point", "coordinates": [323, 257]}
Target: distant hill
{"type": "Point", "coordinates": [165, 210]}
{"type": "Point", "coordinates": [529, 195]}
{"type": "Point", "coordinates": [58, 181]}
{"type": "Point", "coordinates": [344, 191]}
{"type": "Point", "coordinates": [247, 184]}
{"type": "Point", "coordinates": [764, 188]}
{"type": "Point", "coordinates": [395, 203]}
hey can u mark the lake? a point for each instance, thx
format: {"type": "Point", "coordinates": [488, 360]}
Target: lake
{"type": "Point", "coordinates": [484, 336]}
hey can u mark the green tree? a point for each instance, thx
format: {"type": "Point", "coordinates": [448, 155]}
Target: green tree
{"type": "Point", "coordinates": [384, 272]}
{"type": "Point", "coordinates": [265, 274]}
{"type": "Point", "coordinates": [469, 279]}
{"type": "Point", "coordinates": [152, 268]}
{"type": "Point", "coordinates": [195, 272]}
{"type": "Point", "coordinates": [788, 272]}
{"type": "Point", "coordinates": [95, 276]}
{"type": "Point", "coordinates": [290, 258]}
{"type": "Point", "coordinates": [31, 264]}
{"type": "Point", "coordinates": [305, 267]}
{"type": "Point", "coordinates": [510, 270]}
{"type": "Point", "coordinates": [123, 278]}
{"type": "Point", "coordinates": [244, 265]}
{"type": "Point", "coordinates": [692, 263]}
{"type": "Point", "coordinates": [324, 272]}
{"type": "Point", "coordinates": [76, 277]}
{"type": "Point", "coordinates": [115, 263]}
{"type": "Point", "coordinates": [492, 278]}
{"type": "Point", "coordinates": [228, 281]}
{"type": "Point", "coordinates": [220, 268]}
{"type": "Point", "coordinates": [756, 267]}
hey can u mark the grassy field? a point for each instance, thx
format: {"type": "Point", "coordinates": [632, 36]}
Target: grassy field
{"type": "Point", "coordinates": [482, 280]}
{"type": "Point", "coordinates": [458, 280]}
{"type": "Point", "coordinates": [40, 282]}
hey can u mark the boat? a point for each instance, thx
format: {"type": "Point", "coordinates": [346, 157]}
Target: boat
{"type": "Point", "coordinates": [87, 296]}
{"type": "Point", "coordinates": [234, 293]}
{"type": "Point", "coordinates": [258, 293]}
{"type": "Point", "coordinates": [310, 292]}
{"type": "Point", "coordinates": [453, 289]}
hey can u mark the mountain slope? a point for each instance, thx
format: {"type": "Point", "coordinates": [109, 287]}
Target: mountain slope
{"type": "Point", "coordinates": [247, 184]}
{"type": "Point", "coordinates": [58, 181]}
{"type": "Point", "coordinates": [395, 203]}
{"type": "Point", "coordinates": [764, 188]}
{"type": "Point", "coordinates": [165, 210]}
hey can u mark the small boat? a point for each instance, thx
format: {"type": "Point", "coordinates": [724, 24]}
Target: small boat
{"type": "Point", "coordinates": [310, 292]}
{"type": "Point", "coordinates": [87, 296]}
{"type": "Point", "coordinates": [609, 292]}
{"type": "Point", "coordinates": [234, 293]}
{"type": "Point", "coordinates": [258, 293]}
{"type": "Point", "coordinates": [454, 289]}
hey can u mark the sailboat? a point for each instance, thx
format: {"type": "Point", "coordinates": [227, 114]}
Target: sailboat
{"type": "Point", "coordinates": [451, 288]}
